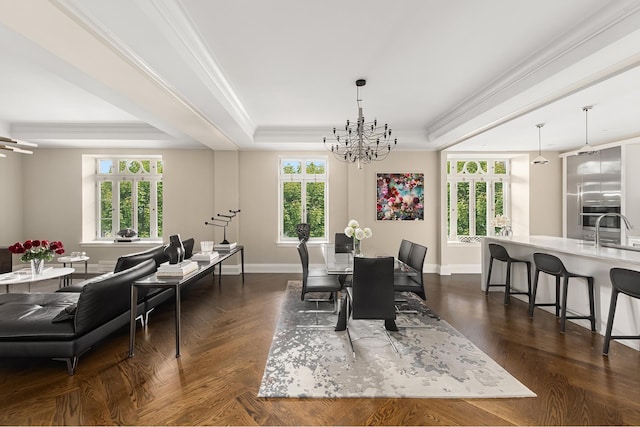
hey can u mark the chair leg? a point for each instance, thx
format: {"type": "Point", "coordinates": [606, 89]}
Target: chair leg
{"type": "Point", "coordinates": [532, 303]}
{"type": "Point", "coordinates": [565, 290]}
{"type": "Point", "coordinates": [612, 312]}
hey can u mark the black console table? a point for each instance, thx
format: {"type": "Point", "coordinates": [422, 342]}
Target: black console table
{"type": "Point", "coordinates": [176, 284]}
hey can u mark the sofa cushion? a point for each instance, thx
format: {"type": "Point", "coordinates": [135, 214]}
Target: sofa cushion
{"type": "Point", "coordinates": [28, 316]}
{"type": "Point", "coordinates": [77, 287]}
{"type": "Point", "coordinates": [128, 261]}
{"type": "Point", "coordinates": [103, 300]}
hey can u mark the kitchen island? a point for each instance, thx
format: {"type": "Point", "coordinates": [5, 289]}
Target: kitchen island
{"type": "Point", "coordinates": [578, 256]}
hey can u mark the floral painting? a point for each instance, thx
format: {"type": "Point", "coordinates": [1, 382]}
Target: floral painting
{"type": "Point", "coordinates": [400, 196]}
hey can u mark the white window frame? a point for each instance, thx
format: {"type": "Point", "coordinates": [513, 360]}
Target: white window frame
{"type": "Point", "coordinates": [491, 178]}
{"type": "Point", "coordinates": [126, 176]}
{"type": "Point", "coordinates": [303, 178]}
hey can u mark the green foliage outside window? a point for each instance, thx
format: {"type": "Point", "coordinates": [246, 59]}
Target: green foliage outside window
{"type": "Point", "coordinates": [472, 179]}
{"type": "Point", "coordinates": [134, 182]}
{"type": "Point", "coordinates": [303, 196]}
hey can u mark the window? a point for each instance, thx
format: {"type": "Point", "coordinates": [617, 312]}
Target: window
{"type": "Point", "coordinates": [129, 192]}
{"type": "Point", "coordinates": [303, 197]}
{"type": "Point", "coordinates": [477, 192]}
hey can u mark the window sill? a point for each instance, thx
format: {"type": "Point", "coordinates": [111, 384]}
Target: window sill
{"type": "Point", "coordinates": [456, 244]}
{"type": "Point", "coordinates": [110, 243]}
{"type": "Point", "coordinates": [294, 243]}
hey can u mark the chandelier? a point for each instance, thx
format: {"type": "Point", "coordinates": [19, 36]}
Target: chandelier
{"type": "Point", "coordinates": [361, 142]}
{"type": "Point", "coordinates": [9, 144]}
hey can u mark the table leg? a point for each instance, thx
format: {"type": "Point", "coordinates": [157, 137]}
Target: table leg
{"type": "Point", "coordinates": [177, 291]}
{"type": "Point", "coordinates": [220, 274]}
{"type": "Point", "coordinates": [132, 319]}
{"type": "Point", "coordinates": [86, 270]}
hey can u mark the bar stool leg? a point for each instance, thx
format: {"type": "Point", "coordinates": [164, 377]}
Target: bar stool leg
{"type": "Point", "coordinates": [507, 284]}
{"type": "Point", "coordinates": [532, 303]}
{"type": "Point", "coordinates": [592, 305]}
{"type": "Point", "coordinates": [563, 317]}
{"type": "Point", "coordinates": [486, 291]}
{"type": "Point", "coordinates": [612, 312]}
{"type": "Point", "coordinates": [529, 281]}
{"type": "Point", "coordinates": [558, 296]}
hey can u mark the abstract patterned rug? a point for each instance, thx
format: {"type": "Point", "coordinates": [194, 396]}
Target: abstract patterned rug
{"type": "Point", "coordinates": [433, 361]}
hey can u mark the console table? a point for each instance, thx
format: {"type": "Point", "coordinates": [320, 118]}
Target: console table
{"type": "Point", "coordinates": [155, 282]}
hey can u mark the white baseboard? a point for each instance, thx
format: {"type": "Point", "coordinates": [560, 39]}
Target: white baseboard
{"type": "Point", "coordinates": [107, 266]}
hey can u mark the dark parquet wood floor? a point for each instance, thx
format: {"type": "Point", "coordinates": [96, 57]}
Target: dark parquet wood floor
{"type": "Point", "coordinates": [227, 333]}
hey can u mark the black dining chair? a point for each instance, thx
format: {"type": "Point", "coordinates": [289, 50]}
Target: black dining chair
{"type": "Point", "coordinates": [413, 282]}
{"type": "Point", "coordinates": [623, 281]}
{"type": "Point", "coordinates": [372, 293]}
{"type": "Point", "coordinates": [320, 283]}
{"type": "Point", "coordinates": [343, 245]}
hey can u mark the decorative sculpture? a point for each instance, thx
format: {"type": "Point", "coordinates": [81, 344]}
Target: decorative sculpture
{"type": "Point", "coordinates": [175, 250]}
{"type": "Point", "coordinates": [225, 220]}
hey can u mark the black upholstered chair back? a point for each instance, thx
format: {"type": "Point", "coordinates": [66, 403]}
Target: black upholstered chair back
{"type": "Point", "coordinates": [416, 258]}
{"type": "Point", "coordinates": [373, 292]}
{"type": "Point", "coordinates": [343, 244]}
{"type": "Point", "coordinates": [550, 264]}
{"type": "Point", "coordinates": [303, 230]}
{"type": "Point", "coordinates": [405, 251]}
{"type": "Point", "coordinates": [498, 252]}
{"type": "Point", "coordinates": [304, 260]}
{"type": "Point", "coordinates": [626, 281]}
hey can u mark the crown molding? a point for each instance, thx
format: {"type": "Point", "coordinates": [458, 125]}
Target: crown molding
{"type": "Point", "coordinates": [177, 19]}
{"type": "Point", "coordinates": [602, 28]}
{"type": "Point", "coordinates": [80, 15]}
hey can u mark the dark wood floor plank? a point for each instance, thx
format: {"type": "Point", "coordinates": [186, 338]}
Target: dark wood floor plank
{"type": "Point", "coordinates": [227, 333]}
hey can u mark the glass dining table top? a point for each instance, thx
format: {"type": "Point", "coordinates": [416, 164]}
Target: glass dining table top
{"type": "Point", "coordinates": [342, 263]}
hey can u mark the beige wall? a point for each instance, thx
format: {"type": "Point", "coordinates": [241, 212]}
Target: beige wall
{"type": "Point", "coordinates": [201, 183]}
{"type": "Point", "coordinates": [53, 207]}
{"type": "Point", "coordinates": [11, 194]}
{"type": "Point", "coordinates": [545, 195]}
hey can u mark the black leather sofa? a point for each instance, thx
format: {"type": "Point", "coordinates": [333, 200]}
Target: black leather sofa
{"type": "Point", "coordinates": [64, 325]}
{"type": "Point", "coordinates": [67, 323]}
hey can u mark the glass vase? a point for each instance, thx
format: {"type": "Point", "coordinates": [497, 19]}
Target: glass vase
{"type": "Point", "coordinates": [506, 231]}
{"type": "Point", "coordinates": [37, 266]}
{"type": "Point", "coordinates": [357, 251]}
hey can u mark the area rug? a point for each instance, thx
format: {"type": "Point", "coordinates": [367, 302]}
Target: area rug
{"type": "Point", "coordinates": [432, 360]}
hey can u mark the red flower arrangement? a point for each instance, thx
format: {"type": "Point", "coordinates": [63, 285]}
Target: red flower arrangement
{"type": "Point", "coordinates": [37, 249]}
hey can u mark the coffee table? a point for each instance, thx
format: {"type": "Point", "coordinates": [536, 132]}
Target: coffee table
{"type": "Point", "coordinates": [25, 276]}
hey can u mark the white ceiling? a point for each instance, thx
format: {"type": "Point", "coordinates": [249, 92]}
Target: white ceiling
{"type": "Point", "coordinates": [280, 74]}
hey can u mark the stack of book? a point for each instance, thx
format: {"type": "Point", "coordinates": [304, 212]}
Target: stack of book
{"type": "Point", "coordinates": [177, 270]}
{"type": "Point", "coordinates": [205, 256]}
{"type": "Point", "coordinates": [224, 246]}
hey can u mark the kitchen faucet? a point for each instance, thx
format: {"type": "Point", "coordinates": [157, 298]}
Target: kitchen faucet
{"type": "Point", "coordinates": [626, 223]}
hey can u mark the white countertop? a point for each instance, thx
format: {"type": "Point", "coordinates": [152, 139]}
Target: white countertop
{"type": "Point", "coordinates": [574, 247]}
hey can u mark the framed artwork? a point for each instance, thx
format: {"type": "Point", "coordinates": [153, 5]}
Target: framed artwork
{"type": "Point", "coordinates": [400, 196]}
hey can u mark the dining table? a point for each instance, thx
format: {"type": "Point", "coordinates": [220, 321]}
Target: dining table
{"type": "Point", "coordinates": [341, 263]}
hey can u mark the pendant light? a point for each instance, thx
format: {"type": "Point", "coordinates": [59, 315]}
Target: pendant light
{"type": "Point", "coordinates": [539, 160]}
{"type": "Point", "coordinates": [586, 149]}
